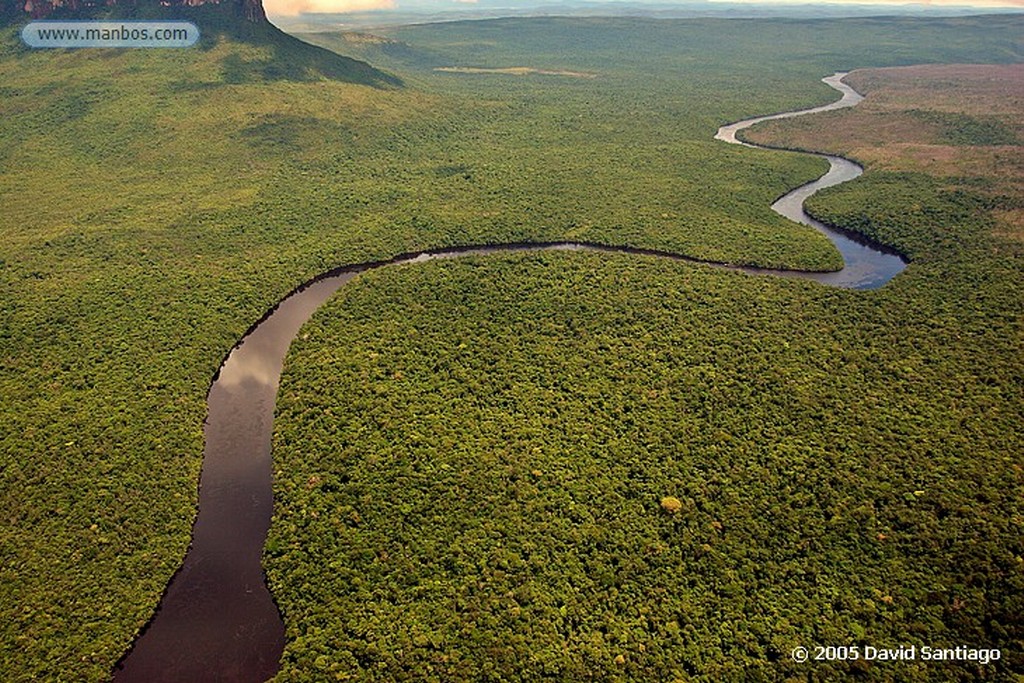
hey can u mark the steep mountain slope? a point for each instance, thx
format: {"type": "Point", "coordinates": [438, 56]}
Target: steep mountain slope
{"type": "Point", "coordinates": [284, 58]}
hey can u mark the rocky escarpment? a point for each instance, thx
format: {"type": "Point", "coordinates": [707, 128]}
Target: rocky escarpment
{"type": "Point", "coordinates": [283, 57]}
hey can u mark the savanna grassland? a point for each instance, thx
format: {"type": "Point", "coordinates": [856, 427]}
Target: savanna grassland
{"type": "Point", "coordinates": [960, 123]}
{"type": "Point", "coordinates": [156, 203]}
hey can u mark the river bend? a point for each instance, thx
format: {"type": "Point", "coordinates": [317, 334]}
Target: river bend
{"type": "Point", "coordinates": [217, 620]}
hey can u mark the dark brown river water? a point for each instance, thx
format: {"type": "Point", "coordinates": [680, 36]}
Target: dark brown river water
{"type": "Point", "coordinates": [217, 620]}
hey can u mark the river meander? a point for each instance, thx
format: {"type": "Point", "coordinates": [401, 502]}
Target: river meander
{"type": "Point", "coordinates": [217, 620]}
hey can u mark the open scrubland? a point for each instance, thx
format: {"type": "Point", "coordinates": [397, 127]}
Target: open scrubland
{"type": "Point", "coordinates": [960, 123]}
{"type": "Point", "coordinates": [472, 458]}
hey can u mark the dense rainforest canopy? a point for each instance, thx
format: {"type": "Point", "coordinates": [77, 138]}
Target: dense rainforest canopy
{"type": "Point", "coordinates": [472, 456]}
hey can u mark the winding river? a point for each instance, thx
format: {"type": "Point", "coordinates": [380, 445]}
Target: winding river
{"type": "Point", "coordinates": [217, 620]}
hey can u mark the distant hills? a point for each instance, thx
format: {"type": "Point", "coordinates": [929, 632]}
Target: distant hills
{"type": "Point", "coordinates": [430, 11]}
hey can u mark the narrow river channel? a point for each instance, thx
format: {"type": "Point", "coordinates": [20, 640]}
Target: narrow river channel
{"type": "Point", "coordinates": [217, 620]}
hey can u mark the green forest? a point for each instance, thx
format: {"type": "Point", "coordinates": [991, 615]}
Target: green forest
{"type": "Point", "coordinates": [563, 465]}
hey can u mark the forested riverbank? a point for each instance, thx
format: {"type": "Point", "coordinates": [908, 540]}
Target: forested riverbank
{"type": "Point", "coordinates": [156, 203]}
{"type": "Point", "coordinates": [484, 454]}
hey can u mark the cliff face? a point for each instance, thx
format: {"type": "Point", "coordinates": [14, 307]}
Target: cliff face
{"type": "Point", "coordinates": [250, 10]}
{"type": "Point", "coordinates": [240, 21]}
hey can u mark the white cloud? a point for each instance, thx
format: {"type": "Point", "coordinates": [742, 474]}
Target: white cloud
{"type": "Point", "coordinates": [293, 7]}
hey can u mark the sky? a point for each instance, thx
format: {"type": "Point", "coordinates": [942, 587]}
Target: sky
{"type": "Point", "coordinates": [296, 7]}
{"type": "Point", "coordinates": [1018, 4]}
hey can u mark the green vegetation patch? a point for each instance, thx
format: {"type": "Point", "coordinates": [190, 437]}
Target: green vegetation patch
{"type": "Point", "coordinates": [596, 467]}
{"type": "Point", "coordinates": [157, 202]}
{"type": "Point", "coordinates": [964, 130]}
{"type": "Point", "coordinates": [913, 212]}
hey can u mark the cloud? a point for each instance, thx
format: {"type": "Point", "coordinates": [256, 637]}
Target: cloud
{"type": "Point", "coordinates": [291, 8]}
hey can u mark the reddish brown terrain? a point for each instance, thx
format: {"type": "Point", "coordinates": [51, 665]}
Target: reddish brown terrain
{"type": "Point", "coordinates": [960, 122]}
